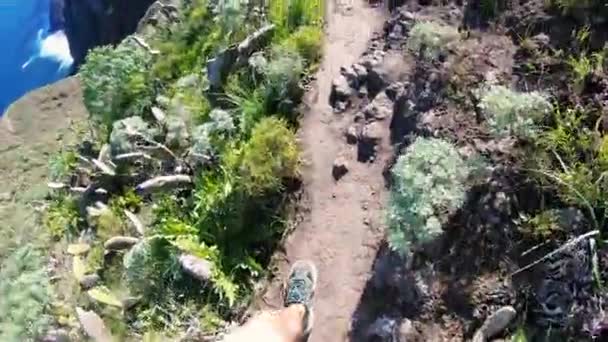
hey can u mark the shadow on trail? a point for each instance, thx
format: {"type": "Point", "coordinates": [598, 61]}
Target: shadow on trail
{"type": "Point", "coordinates": [390, 295]}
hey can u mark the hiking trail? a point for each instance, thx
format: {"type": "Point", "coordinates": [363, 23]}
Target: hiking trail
{"type": "Point", "coordinates": [341, 227]}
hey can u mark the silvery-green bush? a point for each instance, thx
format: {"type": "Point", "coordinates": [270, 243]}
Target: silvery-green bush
{"type": "Point", "coordinates": [24, 294]}
{"type": "Point", "coordinates": [513, 113]}
{"type": "Point", "coordinates": [428, 39]}
{"type": "Point", "coordinates": [429, 181]}
{"type": "Point", "coordinates": [114, 82]}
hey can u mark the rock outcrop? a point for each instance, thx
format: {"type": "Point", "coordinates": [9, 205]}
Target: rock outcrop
{"type": "Point", "coordinates": [93, 23]}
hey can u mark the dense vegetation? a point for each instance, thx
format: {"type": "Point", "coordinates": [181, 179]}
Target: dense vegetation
{"type": "Point", "coordinates": [546, 123]}
{"type": "Point", "coordinates": [123, 251]}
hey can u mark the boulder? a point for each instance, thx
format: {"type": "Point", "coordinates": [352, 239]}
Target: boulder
{"type": "Point", "coordinates": [340, 168]}
{"type": "Point", "coordinates": [340, 90]}
{"type": "Point", "coordinates": [380, 108]}
{"type": "Point", "coordinates": [89, 281]}
{"type": "Point", "coordinates": [94, 23]}
{"type": "Point", "coordinates": [495, 324]}
{"type": "Point", "coordinates": [351, 76]}
{"type": "Point", "coordinates": [371, 136]}
{"type": "Point", "coordinates": [352, 134]}
{"type": "Point", "coordinates": [360, 71]}
{"type": "Point", "coordinates": [159, 15]}
{"type": "Point", "coordinates": [127, 132]}
{"type": "Point", "coordinates": [373, 132]}
{"type": "Point", "coordinates": [236, 56]}
{"type": "Point", "coordinates": [384, 329]}
{"type": "Point", "coordinates": [200, 269]}
{"type": "Point", "coordinates": [56, 335]}
{"type": "Point", "coordinates": [93, 325]}
{"type": "Point", "coordinates": [407, 332]}
{"type": "Point", "coordinates": [118, 243]}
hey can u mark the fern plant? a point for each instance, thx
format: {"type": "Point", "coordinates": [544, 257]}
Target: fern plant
{"type": "Point", "coordinates": [583, 66]}
{"type": "Point", "coordinates": [429, 39]}
{"type": "Point", "coordinates": [24, 295]}
{"type": "Point", "coordinates": [429, 181]}
{"type": "Point", "coordinates": [513, 113]}
{"type": "Point", "coordinates": [571, 157]}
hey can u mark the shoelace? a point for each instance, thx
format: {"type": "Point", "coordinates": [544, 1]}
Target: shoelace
{"type": "Point", "coordinates": [296, 294]}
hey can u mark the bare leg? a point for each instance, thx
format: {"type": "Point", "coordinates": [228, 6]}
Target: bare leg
{"type": "Point", "coordinates": [286, 325]}
{"type": "Point", "coordinates": [291, 324]}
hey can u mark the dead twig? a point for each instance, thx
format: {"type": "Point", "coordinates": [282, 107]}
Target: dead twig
{"type": "Point", "coordinates": [162, 182]}
{"type": "Point", "coordinates": [565, 246]}
{"type": "Point", "coordinates": [105, 168]}
{"type": "Point", "coordinates": [530, 250]}
{"type": "Point", "coordinates": [139, 226]}
{"type": "Point", "coordinates": [141, 42]}
{"type": "Point", "coordinates": [159, 115]}
{"type": "Point", "coordinates": [155, 144]}
{"type": "Point", "coordinates": [132, 155]}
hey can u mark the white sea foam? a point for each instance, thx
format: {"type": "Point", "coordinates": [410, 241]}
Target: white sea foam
{"type": "Point", "coordinates": [54, 47]}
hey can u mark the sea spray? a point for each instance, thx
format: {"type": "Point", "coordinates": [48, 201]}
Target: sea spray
{"type": "Point", "coordinates": [55, 47]}
{"type": "Point", "coordinates": [34, 54]}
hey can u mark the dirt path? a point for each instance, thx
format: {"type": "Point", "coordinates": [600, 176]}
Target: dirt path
{"type": "Point", "coordinates": [342, 229]}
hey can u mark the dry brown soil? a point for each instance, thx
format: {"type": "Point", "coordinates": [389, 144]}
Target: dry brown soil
{"type": "Point", "coordinates": [342, 227]}
{"type": "Point", "coordinates": [33, 129]}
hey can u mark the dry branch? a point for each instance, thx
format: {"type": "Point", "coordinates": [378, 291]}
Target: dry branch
{"type": "Point", "coordinates": [132, 156]}
{"type": "Point", "coordinates": [568, 244]}
{"type": "Point", "coordinates": [161, 182]}
{"type": "Point", "coordinates": [141, 42]}
{"type": "Point", "coordinates": [139, 226]}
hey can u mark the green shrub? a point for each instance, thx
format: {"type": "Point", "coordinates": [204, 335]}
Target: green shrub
{"type": "Point", "coordinates": [583, 66]}
{"type": "Point", "coordinates": [62, 218]}
{"type": "Point", "coordinates": [544, 225]}
{"type": "Point", "coordinates": [429, 181]}
{"type": "Point", "coordinates": [308, 41]}
{"type": "Point", "coordinates": [429, 40]}
{"type": "Point", "coordinates": [115, 82]}
{"type": "Point", "coordinates": [282, 82]}
{"type": "Point", "coordinates": [24, 295]}
{"type": "Point", "coordinates": [199, 34]}
{"type": "Point", "coordinates": [570, 158]}
{"type": "Point", "coordinates": [61, 164]}
{"type": "Point", "coordinates": [249, 107]}
{"type": "Point", "coordinates": [288, 15]}
{"type": "Point", "coordinates": [512, 113]}
{"type": "Point", "coordinates": [143, 273]}
{"type": "Point", "coordinates": [568, 136]}
{"type": "Point", "coordinates": [269, 157]}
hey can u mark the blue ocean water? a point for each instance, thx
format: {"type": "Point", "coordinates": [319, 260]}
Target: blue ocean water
{"type": "Point", "coordinates": [32, 53]}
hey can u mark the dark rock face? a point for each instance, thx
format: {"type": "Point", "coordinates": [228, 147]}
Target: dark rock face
{"type": "Point", "coordinates": [90, 23]}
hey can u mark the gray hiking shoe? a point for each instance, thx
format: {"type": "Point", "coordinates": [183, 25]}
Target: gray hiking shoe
{"type": "Point", "coordinates": [301, 283]}
{"type": "Point", "coordinates": [300, 289]}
